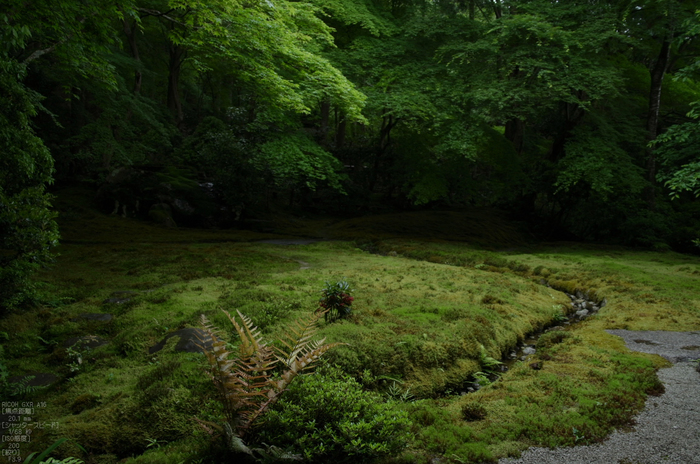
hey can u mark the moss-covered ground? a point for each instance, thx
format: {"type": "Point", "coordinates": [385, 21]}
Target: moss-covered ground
{"type": "Point", "coordinates": [434, 293]}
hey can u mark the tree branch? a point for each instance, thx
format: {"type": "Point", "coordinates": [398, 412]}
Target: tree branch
{"type": "Point", "coordinates": [160, 14]}
{"type": "Point", "coordinates": [39, 53]}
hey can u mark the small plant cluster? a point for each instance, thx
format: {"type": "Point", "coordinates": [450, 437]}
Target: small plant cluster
{"type": "Point", "coordinates": [336, 300]}
{"type": "Point", "coordinates": [489, 366]}
{"type": "Point", "coordinates": [328, 417]}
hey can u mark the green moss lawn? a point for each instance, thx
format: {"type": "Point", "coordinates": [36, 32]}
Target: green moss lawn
{"type": "Point", "coordinates": [434, 294]}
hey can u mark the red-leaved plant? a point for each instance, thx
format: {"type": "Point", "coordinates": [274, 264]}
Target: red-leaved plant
{"type": "Point", "coordinates": [336, 300]}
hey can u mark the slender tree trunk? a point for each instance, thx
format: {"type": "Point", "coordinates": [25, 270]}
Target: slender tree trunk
{"type": "Point", "coordinates": [571, 115]}
{"type": "Point", "coordinates": [657, 73]}
{"type": "Point", "coordinates": [340, 131]}
{"type": "Point", "coordinates": [515, 129]}
{"type": "Point", "coordinates": [385, 132]}
{"type": "Point", "coordinates": [496, 4]}
{"type": "Point", "coordinates": [177, 56]}
{"type": "Point", "coordinates": [325, 120]}
{"type": "Point", "coordinates": [388, 123]}
{"type": "Point", "coordinates": [131, 38]}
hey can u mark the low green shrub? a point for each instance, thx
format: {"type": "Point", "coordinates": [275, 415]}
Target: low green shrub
{"type": "Point", "coordinates": [327, 417]}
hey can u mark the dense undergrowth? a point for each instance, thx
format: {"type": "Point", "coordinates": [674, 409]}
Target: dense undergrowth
{"type": "Point", "coordinates": [426, 313]}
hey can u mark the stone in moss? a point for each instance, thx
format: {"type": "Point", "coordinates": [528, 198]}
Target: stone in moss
{"type": "Point", "coordinates": [191, 341]}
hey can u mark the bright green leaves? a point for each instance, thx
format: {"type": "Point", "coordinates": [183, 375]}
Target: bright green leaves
{"type": "Point", "coordinates": [358, 12]}
{"type": "Point", "coordinates": [678, 150]}
{"type": "Point", "coordinates": [329, 418]}
{"type": "Point", "coordinates": [687, 178]}
{"type": "Point", "coordinates": [594, 157]}
{"type": "Point", "coordinates": [295, 157]}
{"type": "Point", "coordinates": [273, 47]}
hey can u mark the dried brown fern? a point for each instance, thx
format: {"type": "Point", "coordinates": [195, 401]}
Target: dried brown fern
{"type": "Point", "coordinates": [245, 383]}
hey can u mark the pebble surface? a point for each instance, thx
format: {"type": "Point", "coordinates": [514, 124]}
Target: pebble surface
{"type": "Point", "coordinates": [667, 431]}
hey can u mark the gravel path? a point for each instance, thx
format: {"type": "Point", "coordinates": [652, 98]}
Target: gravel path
{"type": "Point", "coordinates": [667, 431]}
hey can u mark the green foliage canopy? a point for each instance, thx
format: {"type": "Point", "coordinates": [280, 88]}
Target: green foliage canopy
{"type": "Point", "coordinates": [27, 227]}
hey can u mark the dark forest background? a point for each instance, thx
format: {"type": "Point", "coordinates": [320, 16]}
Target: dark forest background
{"type": "Point", "coordinates": [578, 117]}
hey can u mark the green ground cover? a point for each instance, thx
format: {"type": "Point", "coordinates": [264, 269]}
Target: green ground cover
{"type": "Point", "coordinates": [427, 314]}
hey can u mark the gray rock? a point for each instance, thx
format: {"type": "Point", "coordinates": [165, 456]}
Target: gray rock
{"type": "Point", "coordinates": [182, 206]}
{"type": "Point", "coordinates": [528, 350]}
{"type": "Point", "coordinates": [191, 341]}
{"type": "Point", "coordinates": [101, 317]}
{"type": "Point", "coordinates": [582, 313]}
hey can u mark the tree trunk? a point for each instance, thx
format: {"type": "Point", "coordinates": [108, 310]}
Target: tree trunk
{"type": "Point", "coordinates": [515, 129]}
{"type": "Point", "coordinates": [571, 115]}
{"type": "Point", "coordinates": [657, 73]}
{"type": "Point", "coordinates": [340, 132]}
{"type": "Point", "coordinates": [177, 56]}
{"type": "Point", "coordinates": [325, 120]}
{"type": "Point", "coordinates": [131, 38]}
{"type": "Point", "coordinates": [497, 8]}
{"type": "Point", "coordinates": [388, 123]}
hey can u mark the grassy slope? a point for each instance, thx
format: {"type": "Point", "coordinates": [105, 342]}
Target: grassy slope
{"type": "Point", "coordinates": [589, 382]}
{"type": "Point", "coordinates": [419, 320]}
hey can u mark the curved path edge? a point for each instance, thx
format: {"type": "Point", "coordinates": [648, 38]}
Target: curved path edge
{"type": "Point", "coordinates": [666, 431]}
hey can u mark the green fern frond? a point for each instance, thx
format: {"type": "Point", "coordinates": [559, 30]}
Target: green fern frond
{"type": "Point", "coordinates": [249, 335]}
{"type": "Point", "coordinates": [298, 338]}
{"type": "Point", "coordinates": [246, 387]}
{"type": "Point", "coordinates": [63, 461]}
